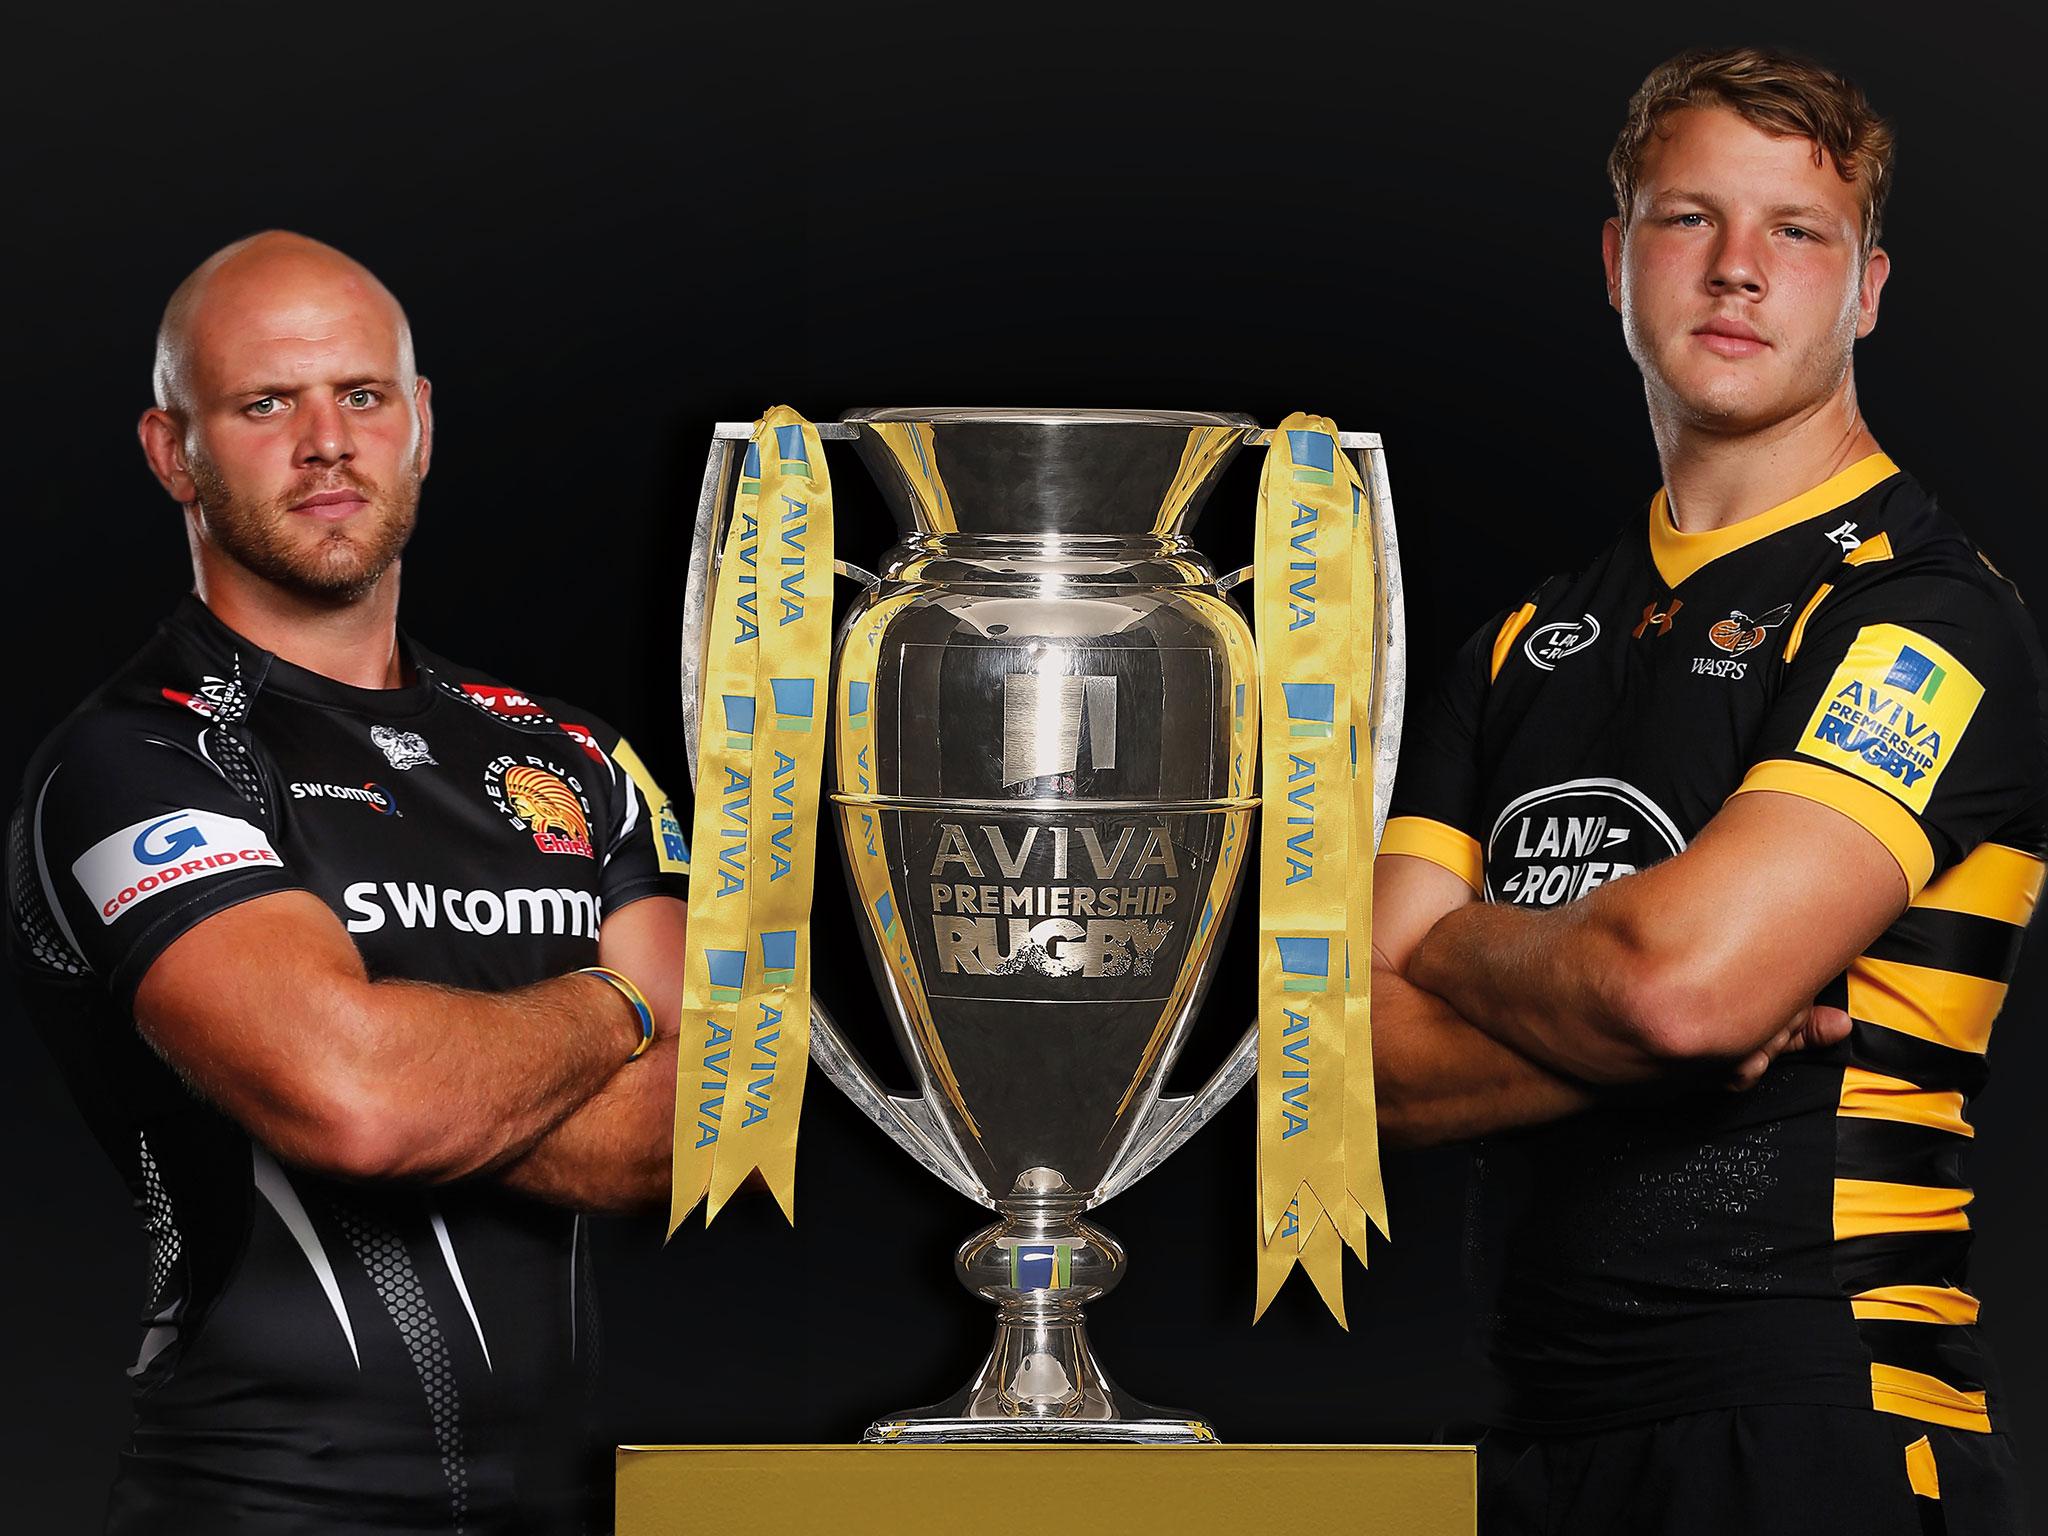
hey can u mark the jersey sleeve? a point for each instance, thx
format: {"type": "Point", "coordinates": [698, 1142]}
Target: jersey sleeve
{"type": "Point", "coordinates": [643, 850]}
{"type": "Point", "coordinates": [1912, 706]}
{"type": "Point", "coordinates": [131, 835]}
{"type": "Point", "coordinates": [1435, 811]}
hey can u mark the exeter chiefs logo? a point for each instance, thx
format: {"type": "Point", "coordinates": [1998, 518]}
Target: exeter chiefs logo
{"type": "Point", "coordinates": [543, 799]}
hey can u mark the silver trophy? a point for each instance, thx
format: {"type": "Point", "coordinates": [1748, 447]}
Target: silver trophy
{"type": "Point", "coordinates": [1046, 828]}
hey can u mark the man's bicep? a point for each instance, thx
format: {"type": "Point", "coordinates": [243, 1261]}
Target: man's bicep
{"type": "Point", "coordinates": [246, 1006]}
{"type": "Point", "coordinates": [1409, 894]}
{"type": "Point", "coordinates": [133, 836]}
{"type": "Point", "coordinates": [1772, 900]}
{"type": "Point", "coordinates": [645, 941]}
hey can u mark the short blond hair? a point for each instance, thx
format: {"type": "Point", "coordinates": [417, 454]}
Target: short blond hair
{"type": "Point", "coordinates": [1777, 93]}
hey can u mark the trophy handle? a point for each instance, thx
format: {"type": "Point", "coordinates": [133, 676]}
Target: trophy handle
{"type": "Point", "coordinates": [1172, 1121]}
{"type": "Point", "coordinates": [910, 1122]}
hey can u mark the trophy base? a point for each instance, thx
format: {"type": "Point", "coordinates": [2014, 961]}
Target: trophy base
{"type": "Point", "coordinates": [911, 1430]}
{"type": "Point", "coordinates": [1041, 1382]}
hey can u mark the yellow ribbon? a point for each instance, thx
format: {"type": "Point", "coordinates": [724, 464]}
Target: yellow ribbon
{"type": "Point", "coordinates": [1318, 1174]}
{"type": "Point", "coordinates": [760, 750]}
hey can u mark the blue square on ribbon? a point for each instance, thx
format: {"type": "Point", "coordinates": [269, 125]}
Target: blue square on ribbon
{"type": "Point", "coordinates": [856, 697]}
{"type": "Point", "coordinates": [778, 956]}
{"type": "Point", "coordinates": [793, 697]}
{"type": "Point", "coordinates": [789, 444]}
{"type": "Point", "coordinates": [885, 913]}
{"type": "Point", "coordinates": [1313, 450]}
{"type": "Point", "coordinates": [1311, 701]}
{"type": "Point", "coordinates": [1304, 964]}
{"type": "Point", "coordinates": [739, 712]}
{"type": "Point", "coordinates": [728, 971]}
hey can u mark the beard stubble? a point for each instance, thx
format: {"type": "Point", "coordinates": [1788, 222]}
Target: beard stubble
{"type": "Point", "coordinates": [346, 561]}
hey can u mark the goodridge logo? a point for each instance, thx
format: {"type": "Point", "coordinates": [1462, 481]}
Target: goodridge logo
{"type": "Point", "coordinates": [128, 867]}
{"type": "Point", "coordinates": [1554, 845]}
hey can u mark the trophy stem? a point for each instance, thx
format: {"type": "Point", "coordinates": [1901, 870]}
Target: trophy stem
{"type": "Point", "coordinates": [1040, 1265]}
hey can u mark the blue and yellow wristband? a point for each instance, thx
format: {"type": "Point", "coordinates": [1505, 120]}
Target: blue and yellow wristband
{"type": "Point", "coordinates": [633, 995]}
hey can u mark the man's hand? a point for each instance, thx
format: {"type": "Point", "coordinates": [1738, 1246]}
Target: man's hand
{"type": "Point", "coordinates": [613, 1153]}
{"type": "Point", "coordinates": [1813, 1027]}
{"type": "Point", "coordinates": [267, 1010]}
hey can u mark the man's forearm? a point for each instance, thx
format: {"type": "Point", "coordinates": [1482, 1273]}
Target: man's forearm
{"type": "Point", "coordinates": [477, 1078]}
{"type": "Point", "coordinates": [1438, 1078]}
{"type": "Point", "coordinates": [1553, 985]}
{"type": "Point", "coordinates": [613, 1152]}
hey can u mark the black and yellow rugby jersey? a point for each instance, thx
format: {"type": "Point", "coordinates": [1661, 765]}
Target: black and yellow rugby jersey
{"type": "Point", "coordinates": [1805, 1241]}
{"type": "Point", "coordinates": [320, 1356]}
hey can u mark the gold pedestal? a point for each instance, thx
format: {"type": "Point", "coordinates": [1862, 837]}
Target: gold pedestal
{"type": "Point", "coordinates": [1228, 1490]}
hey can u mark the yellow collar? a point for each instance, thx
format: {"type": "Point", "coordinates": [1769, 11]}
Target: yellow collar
{"type": "Point", "coordinates": [1678, 554]}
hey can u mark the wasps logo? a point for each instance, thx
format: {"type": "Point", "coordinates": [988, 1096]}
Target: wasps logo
{"type": "Point", "coordinates": [1739, 632]}
{"type": "Point", "coordinates": [540, 798]}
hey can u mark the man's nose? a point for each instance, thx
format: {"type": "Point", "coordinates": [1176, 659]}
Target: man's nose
{"type": "Point", "coordinates": [1738, 263]}
{"type": "Point", "coordinates": [324, 435]}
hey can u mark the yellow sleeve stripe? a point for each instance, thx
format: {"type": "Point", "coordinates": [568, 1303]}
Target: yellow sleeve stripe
{"type": "Point", "coordinates": [1505, 640]}
{"type": "Point", "coordinates": [1870, 551]}
{"type": "Point", "coordinates": [1866, 1206]}
{"type": "Point", "coordinates": [1420, 838]}
{"type": "Point", "coordinates": [1865, 804]}
{"type": "Point", "coordinates": [1920, 1472]}
{"type": "Point", "coordinates": [1799, 624]}
{"type": "Point", "coordinates": [1993, 881]}
{"type": "Point", "coordinates": [1893, 1389]}
{"type": "Point", "coordinates": [666, 826]}
{"type": "Point", "coordinates": [1870, 1095]}
{"type": "Point", "coordinates": [1946, 1007]}
{"type": "Point", "coordinates": [1916, 1304]}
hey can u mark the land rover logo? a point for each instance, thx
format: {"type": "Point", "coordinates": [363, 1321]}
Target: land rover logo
{"type": "Point", "coordinates": [1550, 644]}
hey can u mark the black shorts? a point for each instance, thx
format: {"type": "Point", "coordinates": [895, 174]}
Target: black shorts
{"type": "Point", "coordinates": [1759, 1471]}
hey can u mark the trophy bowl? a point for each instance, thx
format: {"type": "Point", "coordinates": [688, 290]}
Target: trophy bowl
{"type": "Point", "coordinates": [1044, 715]}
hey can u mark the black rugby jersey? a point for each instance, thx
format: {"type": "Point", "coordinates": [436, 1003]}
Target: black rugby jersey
{"type": "Point", "coordinates": [322, 1356]}
{"type": "Point", "coordinates": [1806, 1241]}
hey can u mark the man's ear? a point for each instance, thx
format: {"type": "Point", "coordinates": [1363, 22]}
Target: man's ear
{"type": "Point", "coordinates": [163, 444]}
{"type": "Point", "coordinates": [1876, 268]}
{"type": "Point", "coordinates": [1611, 237]}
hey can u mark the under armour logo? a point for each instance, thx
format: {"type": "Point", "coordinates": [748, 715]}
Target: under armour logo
{"type": "Point", "coordinates": [1661, 620]}
{"type": "Point", "coordinates": [1846, 537]}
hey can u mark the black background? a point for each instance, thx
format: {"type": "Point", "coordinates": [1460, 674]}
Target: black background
{"type": "Point", "coordinates": [612, 229]}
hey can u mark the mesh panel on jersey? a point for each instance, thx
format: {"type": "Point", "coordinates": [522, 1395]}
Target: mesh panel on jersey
{"type": "Point", "coordinates": [225, 748]}
{"type": "Point", "coordinates": [38, 930]}
{"type": "Point", "coordinates": [389, 1265]}
{"type": "Point", "coordinates": [166, 1247]}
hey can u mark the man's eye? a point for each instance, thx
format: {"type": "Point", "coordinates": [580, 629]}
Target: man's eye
{"type": "Point", "coordinates": [362, 399]}
{"type": "Point", "coordinates": [1687, 220]}
{"type": "Point", "coordinates": [1798, 234]}
{"type": "Point", "coordinates": [269, 405]}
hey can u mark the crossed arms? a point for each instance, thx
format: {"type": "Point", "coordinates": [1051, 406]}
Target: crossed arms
{"type": "Point", "coordinates": [1702, 968]}
{"type": "Point", "coordinates": [366, 1079]}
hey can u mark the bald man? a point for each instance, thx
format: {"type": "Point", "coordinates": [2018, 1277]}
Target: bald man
{"type": "Point", "coordinates": [363, 966]}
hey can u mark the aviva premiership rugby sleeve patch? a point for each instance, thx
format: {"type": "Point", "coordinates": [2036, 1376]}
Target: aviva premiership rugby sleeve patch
{"type": "Point", "coordinates": [1893, 712]}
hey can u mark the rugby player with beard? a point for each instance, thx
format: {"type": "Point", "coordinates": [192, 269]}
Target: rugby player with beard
{"type": "Point", "coordinates": [1755, 797]}
{"type": "Point", "coordinates": [309, 917]}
